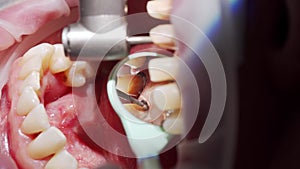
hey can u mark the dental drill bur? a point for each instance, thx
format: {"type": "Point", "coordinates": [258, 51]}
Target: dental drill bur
{"type": "Point", "coordinates": [131, 99]}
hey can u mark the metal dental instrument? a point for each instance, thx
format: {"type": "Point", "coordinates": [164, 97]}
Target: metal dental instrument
{"type": "Point", "coordinates": [132, 99]}
{"type": "Point", "coordinates": [101, 30]}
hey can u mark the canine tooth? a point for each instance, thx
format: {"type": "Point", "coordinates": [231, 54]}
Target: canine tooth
{"type": "Point", "coordinates": [59, 62]}
{"type": "Point", "coordinates": [31, 65]}
{"type": "Point", "coordinates": [163, 35]}
{"type": "Point", "coordinates": [173, 124]}
{"type": "Point", "coordinates": [43, 51]}
{"type": "Point", "coordinates": [78, 73]}
{"type": "Point", "coordinates": [33, 80]}
{"type": "Point", "coordinates": [62, 160]}
{"type": "Point", "coordinates": [163, 69]}
{"type": "Point", "coordinates": [46, 143]}
{"type": "Point", "coordinates": [166, 97]}
{"type": "Point", "coordinates": [159, 9]}
{"type": "Point", "coordinates": [36, 120]}
{"type": "Point", "coordinates": [27, 101]}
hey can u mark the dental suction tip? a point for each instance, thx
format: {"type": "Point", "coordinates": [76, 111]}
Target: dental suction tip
{"type": "Point", "coordinates": [131, 99]}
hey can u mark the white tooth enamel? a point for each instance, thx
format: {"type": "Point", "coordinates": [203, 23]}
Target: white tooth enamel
{"type": "Point", "coordinates": [36, 120]}
{"type": "Point", "coordinates": [33, 80]}
{"type": "Point", "coordinates": [163, 35]}
{"type": "Point", "coordinates": [62, 160]}
{"type": "Point", "coordinates": [166, 97]}
{"type": "Point", "coordinates": [43, 51]}
{"type": "Point", "coordinates": [47, 143]}
{"type": "Point", "coordinates": [136, 63]}
{"type": "Point", "coordinates": [159, 9]}
{"type": "Point", "coordinates": [78, 73]}
{"type": "Point", "coordinates": [31, 65]}
{"type": "Point", "coordinates": [123, 83]}
{"type": "Point", "coordinates": [59, 62]}
{"type": "Point", "coordinates": [173, 124]}
{"type": "Point", "coordinates": [163, 69]}
{"type": "Point", "coordinates": [27, 101]}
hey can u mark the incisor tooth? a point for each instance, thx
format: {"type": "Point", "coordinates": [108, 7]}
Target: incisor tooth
{"type": "Point", "coordinates": [136, 63]}
{"type": "Point", "coordinates": [48, 142]}
{"type": "Point", "coordinates": [62, 160]}
{"type": "Point", "coordinates": [59, 62]}
{"type": "Point", "coordinates": [163, 69]}
{"type": "Point", "coordinates": [33, 80]}
{"type": "Point", "coordinates": [159, 9]}
{"type": "Point", "coordinates": [173, 124]}
{"type": "Point", "coordinates": [31, 65]}
{"type": "Point", "coordinates": [163, 35]}
{"type": "Point", "coordinates": [27, 101]}
{"type": "Point", "coordinates": [43, 51]}
{"type": "Point", "coordinates": [123, 83]}
{"type": "Point", "coordinates": [78, 73]}
{"type": "Point", "coordinates": [36, 120]}
{"type": "Point", "coordinates": [166, 97]}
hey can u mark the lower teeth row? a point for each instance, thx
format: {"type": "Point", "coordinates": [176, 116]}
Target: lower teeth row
{"type": "Point", "coordinates": [50, 141]}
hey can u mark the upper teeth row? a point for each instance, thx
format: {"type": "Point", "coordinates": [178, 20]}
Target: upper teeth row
{"type": "Point", "coordinates": [51, 140]}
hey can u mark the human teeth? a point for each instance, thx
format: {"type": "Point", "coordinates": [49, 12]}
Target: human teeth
{"type": "Point", "coordinates": [48, 142]}
{"type": "Point", "coordinates": [36, 120]}
{"type": "Point", "coordinates": [43, 51]}
{"type": "Point", "coordinates": [27, 101]}
{"type": "Point", "coordinates": [159, 9]}
{"type": "Point", "coordinates": [62, 160]}
{"type": "Point", "coordinates": [59, 62]}
{"type": "Point", "coordinates": [33, 80]}
{"type": "Point", "coordinates": [163, 35]}
{"type": "Point", "coordinates": [31, 65]}
{"type": "Point", "coordinates": [163, 69]}
{"type": "Point", "coordinates": [136, 63]}
{"type": "Point", "coordinates": [166, 97]}
{"type": "Point", "coordinates": [123, 83]}
{"type": "Point", "coordinates": [78, 73]}
{"type": "Point", "coordinates": [173, 124]}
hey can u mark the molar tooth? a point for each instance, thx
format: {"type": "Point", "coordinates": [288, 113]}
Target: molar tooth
{"type": "Point", "coordinates": [43, 51]}
{"type": "Point", "coordinates": [59, 62]}
{"type": "Point", "coordinates": [78, 73]}
{"type": "Point", "coordinates": [36, 120]}
{"type": "Point", "coordinates": [27, 101]}
{"type": "Point", "coordinates": [163, 35]}
{"type": "Point", "coordinates": [123, 83]}
{"type": "Point", "coordinates": [48, 142]}
{"type": "Point", "coordinates": [31, 65]}
{"type": "Point", "coordinates": [163, 69]}
{"type": "Point", "coordinates": [173, 124]}
{"type": "Point", "coordinates": [33, 80]}
{"type": "Point", "coordinates": [166, 97]}
{"type": "Point", "coordinates": [137, 62]}
{"type": "Point", "coordinates": [62, 160]}
{"type": "Point", "coordinates": [159, 9]}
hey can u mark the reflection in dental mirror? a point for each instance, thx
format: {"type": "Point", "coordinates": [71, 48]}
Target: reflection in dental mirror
{"type": "Point", "coordinates": [161, 97]}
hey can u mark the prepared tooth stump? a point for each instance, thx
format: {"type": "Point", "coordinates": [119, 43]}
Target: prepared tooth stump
{"type": "Point", "coordinates": [153, 94]}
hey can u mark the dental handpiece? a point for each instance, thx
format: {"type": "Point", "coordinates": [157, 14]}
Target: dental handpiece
{"type": "Point", "coordinates": [101, 31]}
{"type": "Point", "coordinates": [131, 99]}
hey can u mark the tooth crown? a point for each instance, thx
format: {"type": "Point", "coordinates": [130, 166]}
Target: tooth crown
{"type": "Point", "coordinates": [62, 160]}
{"type": "Point", "coordinates": [47, 143]}
{"type": "Point", "coordinates": [27, 101]}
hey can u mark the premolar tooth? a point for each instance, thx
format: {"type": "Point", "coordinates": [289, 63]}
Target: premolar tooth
{"type": "Point", "coordinates": [27, 101]}
{"type": "Point", "coordinates": [166, 97]}
{"type": "Point", "coordinates": [59, 62]}
{"type": "Point", "coordinates": [43, 51]}
{"type": "Point", "coordinates": [159, 9]}
{"type": "Point", "coordinates": [31, 65]}
{"type": "Point", "coordinates": [78, 73]}
{"type": "Point", "coordinates": [36, 120]}
{"type": "Point", "coordinates": [136, 63]}
{"type": "Point", "coordinates": [33, 80]}
{"type": "Point", "coordinates": [62, 160]}
{"type": "Point", "coordinates": [163, 69]}
{"type": "Point", "coordinates": [174, 124]}
{"type": "Point", "coordinates": [48, 142]}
